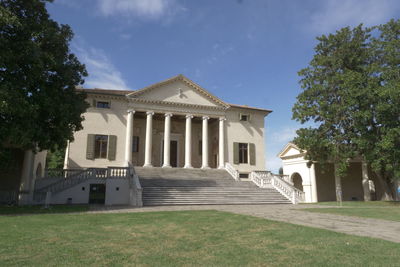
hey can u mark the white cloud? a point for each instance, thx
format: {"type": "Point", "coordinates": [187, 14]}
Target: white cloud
{"type": "Point", "coordinates": [147, 9]}
{"type": "Point", "coordinates": [102, 72]}
{"type": "Point", "coordinates": [333, 15]}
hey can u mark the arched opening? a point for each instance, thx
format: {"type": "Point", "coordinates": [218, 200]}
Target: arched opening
{"type": "Point", "coordinates": [297, 181]}
{"type": "Point", "coordinates": [39, 171]}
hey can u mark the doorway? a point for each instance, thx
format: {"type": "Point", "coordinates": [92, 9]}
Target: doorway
{"type": "Point", "coordinates": [173, 153]}
{"type": "Point", "coordinates": [297, 181]}
{"type": "Point", "coordinates": [97, 194]}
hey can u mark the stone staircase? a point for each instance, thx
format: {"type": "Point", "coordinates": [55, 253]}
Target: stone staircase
{"type": "Point", "coordinates": [177, 186]}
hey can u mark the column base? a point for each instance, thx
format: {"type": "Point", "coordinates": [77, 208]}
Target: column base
{"type": "Point", "coordinates": [148, 165]}
{"type": "Point", "coordinates": [188, 167]}
{"type": "Point", "coordinates": [166, 166]}
{"type": "Point", "coordinates": [221, 167]}
{"type": "Point", "coordinates": [205, 167]}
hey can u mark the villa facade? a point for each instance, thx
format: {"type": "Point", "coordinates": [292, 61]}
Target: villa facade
{"type": "Point", "coordinates": [174, 123]}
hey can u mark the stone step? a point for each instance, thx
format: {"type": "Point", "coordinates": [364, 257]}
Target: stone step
{"type": "Point", "coordinates": [174, 203]}
{"type": "Point", "coordinates": [176, 186]}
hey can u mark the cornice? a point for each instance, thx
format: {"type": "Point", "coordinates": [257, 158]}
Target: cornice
{"type": "Point", "coordinates": [174, 104]}
{"type": "Point", "coordinates": [185, 80]}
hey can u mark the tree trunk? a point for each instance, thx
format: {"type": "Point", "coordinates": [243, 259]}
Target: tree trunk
{"type": "Point", "coordinates": [387, 193]}
{"type": "Point", "coordinates": [365, 181]}
{"type": "Point", "coordinates": [338, 185]}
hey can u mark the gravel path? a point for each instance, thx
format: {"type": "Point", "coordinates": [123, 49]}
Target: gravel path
{"type": "Point", "coordinates": [383, 229]}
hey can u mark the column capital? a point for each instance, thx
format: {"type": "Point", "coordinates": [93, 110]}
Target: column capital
{"type": "Point", "coordinates": [168, 115]}
{"type": "Point", "coordinates": [150, 113]}
{"type": "Point", "coordinates": [206, 118]}
{"type": "Point", "coordinates": [222, 118]}
{"type": "Point", "coordinates": [189, 116]}
{"type": "Point", "coordinates": [131, 111]}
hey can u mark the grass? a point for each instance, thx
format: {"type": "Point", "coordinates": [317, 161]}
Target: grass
{"type": "Point", "coordinates": [374, 209]}
{"type": "Point", "coordinates": [181, 238]}
{"type": "Point", "coordinates": [13, 210]}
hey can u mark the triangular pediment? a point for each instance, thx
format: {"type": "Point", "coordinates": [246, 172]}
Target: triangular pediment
{"type": "Point", "coordinates": [291, 150]}
{"type": "Point", "coordinates": [178, 89]}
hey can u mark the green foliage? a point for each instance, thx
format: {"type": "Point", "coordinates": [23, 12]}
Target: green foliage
{"type": "Point", "coordinates": [55, 158]}
{"type": "Point", "coordinates": [351, 91]}
{"type": "Point", "coordinates": [39, 106]}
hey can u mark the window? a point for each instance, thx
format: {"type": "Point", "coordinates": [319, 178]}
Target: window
{"type": "Point", "coordinates": [244, 117]}
{"type": "Point", "coordinates": [100, 146]}
{"type": "Point", "coordinates": [135, 144]}
{"type": "Point", "coordinates": [243, 153]}
{"type": "Point", "coordinates": [102, 104]}
{"type": "Point", "coordinates": [243, 175]}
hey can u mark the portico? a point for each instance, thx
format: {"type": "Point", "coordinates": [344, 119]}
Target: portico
{"type": "Point", "coordinates": [191, 146]}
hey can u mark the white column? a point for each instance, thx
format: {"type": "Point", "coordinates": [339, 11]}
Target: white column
{"type": "Point", "coordinates": [188, 142]}
{"type": "Point", "coordinates": [149, 139]}
{"type": "Point", "coordinates": [365, 181]}
{"type": "Point", "coordinates": [313, 181]}
{"type": "Point", "coordinates": [204, 164]}
{"type": "Point", "coordinates": [221, 144]}
{"type": "Point", "coordinates": [128, 137]}
{"type": "Point", "coordinates": [167, 140]}
{"type": "Point", "coordinates": [66, 158]}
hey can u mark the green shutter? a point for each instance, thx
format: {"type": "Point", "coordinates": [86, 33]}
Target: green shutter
{"type": "Point", "coordinates": [112, 147]}
{"type": "Point", "coordinates": [252, 153]}
{"type": "Point", "coordinates": [90, 146]}
{"type": "Point", "coordinates": [94, 102]}
{"type": "Point", "coordinates": [236, 153]}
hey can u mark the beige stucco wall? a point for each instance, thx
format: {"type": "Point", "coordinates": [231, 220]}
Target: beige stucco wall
{"type": "Point", "coordinates": [79, 194]}
{"type": "Point", "coordinates": [325, 178]}
{"type": "Point", "coordinates": [245, 132]}
{"type": "Point", "coordinates": [100, 121]}
{"type": "Point", "coordinates": [32, 168]}
{"type": "Point", "coordinates": [113, 122]}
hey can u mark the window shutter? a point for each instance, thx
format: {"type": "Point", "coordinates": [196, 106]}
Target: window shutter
{"type": "Point", "coordinates": [112, 147]}
{"type": "Point", "coordinates": [252, 153]}
{"type": "Point", "coordinates": [236, 153]}
{"type": "Point", "coordinates": [90, 146]}
{"type": "Point", "coordinates": [94, 102]}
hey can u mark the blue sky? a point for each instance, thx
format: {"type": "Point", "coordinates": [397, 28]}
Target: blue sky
{"type": "Point", "coordinates": [243, 51]}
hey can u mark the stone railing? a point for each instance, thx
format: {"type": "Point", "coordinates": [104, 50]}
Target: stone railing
{"type": "Point", "coordinates": [266, 179]}
{"type": "Point", "coordinates": [232, 171]}
{"type": "Point", "coordinates": [64, 179]}
{"type": "Point", "coordinates": [135, 188]}
{"type": "Point", "coordinates": [261, 179]}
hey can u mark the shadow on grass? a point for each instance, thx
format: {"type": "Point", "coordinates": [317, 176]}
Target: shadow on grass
{"type": "Point", "coordinates": [39, 209]}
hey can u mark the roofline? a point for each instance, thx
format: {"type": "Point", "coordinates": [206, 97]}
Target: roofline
{"type": "Point", "coordinates": [252, 108]}
{"type": "Point", "coordinates": [124, 93]}
{"type": "Point", "coordinates": [290, 144]}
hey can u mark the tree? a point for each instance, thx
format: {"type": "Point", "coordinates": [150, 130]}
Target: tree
{"type": "Point", "coordinates": [39, 106]}
{"type": "Point", "coordinates": [55, 158]}
{"type": "Point", "coordinates": [349, 91]}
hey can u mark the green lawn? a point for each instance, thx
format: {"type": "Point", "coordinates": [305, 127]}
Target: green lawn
{"type": "Point", "coordinates": [181, 238]}
{"type": "Point", "coordinates": [12, 210]}
{"type": "Point", "coordinates": [374, 209]}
